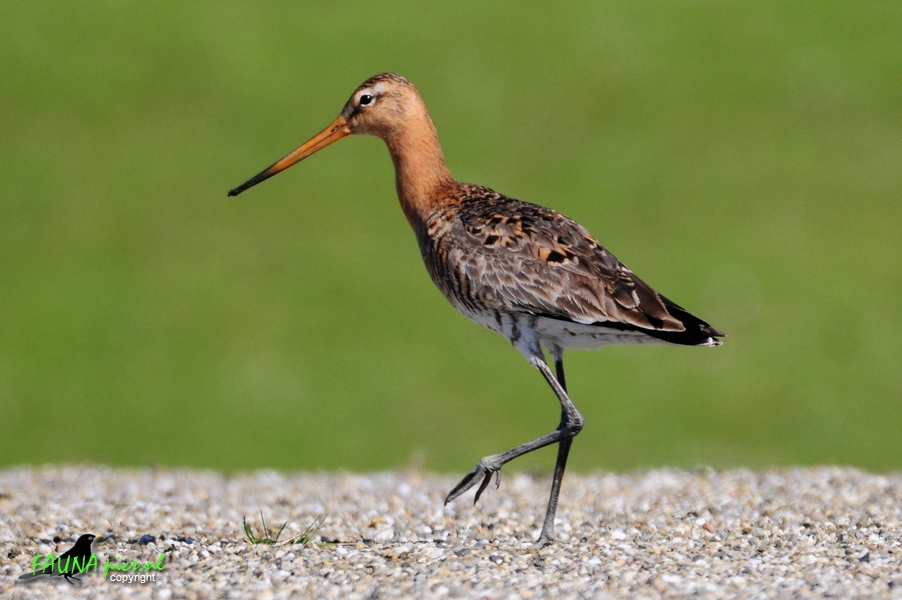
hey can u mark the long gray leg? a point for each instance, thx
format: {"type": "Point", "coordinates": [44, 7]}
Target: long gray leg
{"type": "Point", "coordinates": [570, 425]}
{"type": "Point", "coordinates": [547, 535]}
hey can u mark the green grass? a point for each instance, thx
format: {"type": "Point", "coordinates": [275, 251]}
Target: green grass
{"type": "Point", "coordinates": [269, 538]}
{"type": "Point", "coordinates": [743, 158]}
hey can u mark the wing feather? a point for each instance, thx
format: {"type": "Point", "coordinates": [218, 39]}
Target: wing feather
{"type": "Point", "coordinates": [524, 257]}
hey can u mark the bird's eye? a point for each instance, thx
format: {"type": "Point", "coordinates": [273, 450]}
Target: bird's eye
{"type": "Point", "coordinates": [366, 100]}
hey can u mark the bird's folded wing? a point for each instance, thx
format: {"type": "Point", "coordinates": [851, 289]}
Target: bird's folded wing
{"type": "Point", "coordinates": [521, 256]}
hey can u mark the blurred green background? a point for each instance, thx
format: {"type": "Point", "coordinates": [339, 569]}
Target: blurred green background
{"type": "Point", "coordinates": [744, 158]}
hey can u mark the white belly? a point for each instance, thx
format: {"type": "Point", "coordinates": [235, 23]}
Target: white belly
{"type": "Point", "coordinates": [568, 334]}
{"type": "Point", "coordinates": [565, 334]}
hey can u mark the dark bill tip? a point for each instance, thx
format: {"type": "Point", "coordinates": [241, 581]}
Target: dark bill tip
{"type": "Point", "coordinates": [252, 181]}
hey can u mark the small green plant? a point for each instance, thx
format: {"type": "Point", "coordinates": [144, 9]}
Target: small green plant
{"type": "Point", "coordinates": [267, 537]}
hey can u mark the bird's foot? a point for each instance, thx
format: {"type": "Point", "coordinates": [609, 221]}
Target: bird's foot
{"type": "Point", "coordinates": [545, 539]}
{"type": "Point", "coordinates": [69, 578]}
{"type": "Point", "coordinates": [484, 470]}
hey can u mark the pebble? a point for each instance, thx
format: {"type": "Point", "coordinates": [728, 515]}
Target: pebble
{"type": "Point", "coordinates": [815, 532]}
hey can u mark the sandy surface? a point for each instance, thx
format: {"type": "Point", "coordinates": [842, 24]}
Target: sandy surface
{"type": "Point", "coordinates": [799, 532]}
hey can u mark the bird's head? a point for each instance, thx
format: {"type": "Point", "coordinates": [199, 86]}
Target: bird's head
{"type": "Point", "coordinates": [381, 106]}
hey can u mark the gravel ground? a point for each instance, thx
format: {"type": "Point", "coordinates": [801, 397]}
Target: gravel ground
{"type": "Point", "coordinates": [794, 532]}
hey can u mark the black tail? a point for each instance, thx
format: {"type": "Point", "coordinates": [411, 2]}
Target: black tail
{"type": "Point", "coordinates": [697, 332]}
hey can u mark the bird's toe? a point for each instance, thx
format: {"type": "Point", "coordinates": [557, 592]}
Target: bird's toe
{"type": "Point", "coordinates": [483, 470]}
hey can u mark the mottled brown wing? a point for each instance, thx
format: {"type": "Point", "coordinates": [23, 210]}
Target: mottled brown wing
{"type": "Point", "coordinates": [512, 255]}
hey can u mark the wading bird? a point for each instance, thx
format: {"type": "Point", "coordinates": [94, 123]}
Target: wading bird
{"type": "Point", "coordinates": [527, 272]}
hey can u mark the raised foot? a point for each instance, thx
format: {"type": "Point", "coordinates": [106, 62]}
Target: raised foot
{"type": "Point", "coordinates": [484, 470]}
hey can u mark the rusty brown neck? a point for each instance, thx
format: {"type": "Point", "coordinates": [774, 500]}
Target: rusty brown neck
{"type": "Point", "coordinates": [420, 170]}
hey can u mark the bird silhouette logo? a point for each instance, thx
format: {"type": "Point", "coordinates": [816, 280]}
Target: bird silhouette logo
{"type": "Point", "coordinates": [70, 563]}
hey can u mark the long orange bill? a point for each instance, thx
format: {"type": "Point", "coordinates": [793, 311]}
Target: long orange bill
{"type": "Point", "coordinates": [338, 129]}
